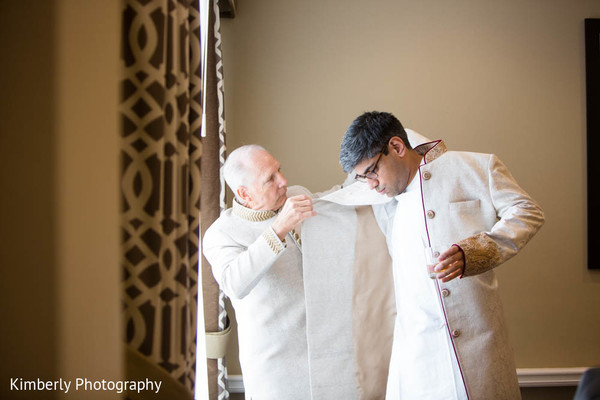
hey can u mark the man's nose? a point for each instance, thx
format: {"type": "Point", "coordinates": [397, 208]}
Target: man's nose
{"type": "Point", "coordinates": [282, 180]}
{"type": "Point", "coordinates": [373, 183]}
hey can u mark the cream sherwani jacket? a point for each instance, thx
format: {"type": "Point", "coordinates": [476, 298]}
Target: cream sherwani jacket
{"type": "Point", "coordinates": [262, 276]}
{"type": "Point", "coordinates": [472, 200]}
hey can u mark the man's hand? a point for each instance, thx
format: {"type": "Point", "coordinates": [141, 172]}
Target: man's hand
{"type": "Point", "coordinates": [451, 264]}
{"type": "Point", "coordinates": [295, 210]}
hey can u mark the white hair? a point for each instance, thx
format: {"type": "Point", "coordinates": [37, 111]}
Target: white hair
{"type": "Point", "coordinates": [237, 167]}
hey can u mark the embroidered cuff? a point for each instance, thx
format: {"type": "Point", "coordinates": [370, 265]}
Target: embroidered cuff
{"type": "Point", "coordinates": [481, 254]}
{"type": "Point", "coordinates": [273, 241]}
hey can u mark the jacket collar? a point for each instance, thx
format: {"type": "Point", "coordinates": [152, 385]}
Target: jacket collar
{"type": "Point", "coordinates": [250, 214]}
{"type": "Point", "coordinates": [431, 150]}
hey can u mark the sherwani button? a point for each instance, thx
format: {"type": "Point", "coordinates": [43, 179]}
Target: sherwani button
{"type": "Point", "coordinates": [445, 292]}
{"type": "Point", "coordinates": [430, 214]}
{"type": "Point", "coordinates": [426, 175]}
{"type": "Point", "coordinates": [455, 333]}
{"type": "Point", "coordinates": [436, 254]}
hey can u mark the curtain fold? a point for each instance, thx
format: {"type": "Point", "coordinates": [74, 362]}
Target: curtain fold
{"type": "Point", "coordinates": [213, 191]}
{"type": "Point", "coordinates": [160, 181]}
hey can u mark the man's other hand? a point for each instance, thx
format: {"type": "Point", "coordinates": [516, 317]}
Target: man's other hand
{"type": "Point", "coordinates": [451, 264]}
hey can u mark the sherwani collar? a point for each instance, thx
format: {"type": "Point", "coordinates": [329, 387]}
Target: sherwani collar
{"type": "Point", "coordinates": [250, 214]}
{"type": "Point", "coordinates": [262, 215]}
{"type": "Point", "coordinates": [431, 150]}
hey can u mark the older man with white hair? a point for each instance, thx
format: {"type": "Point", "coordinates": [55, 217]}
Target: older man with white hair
{"type": "Point", "coordinates": [255, 252]}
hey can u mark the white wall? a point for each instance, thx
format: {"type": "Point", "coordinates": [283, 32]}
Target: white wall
{"type": "Point", "coordinates": [506, 77]}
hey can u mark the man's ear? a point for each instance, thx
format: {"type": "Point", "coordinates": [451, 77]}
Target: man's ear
{"type": "Point", "coordinates": [243, 194]}
{"type": "Point", "coordinates": [397, 146]}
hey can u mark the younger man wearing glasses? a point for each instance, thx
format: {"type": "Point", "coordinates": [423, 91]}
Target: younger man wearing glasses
{"type": "Point", "coordinates": [450, 340]}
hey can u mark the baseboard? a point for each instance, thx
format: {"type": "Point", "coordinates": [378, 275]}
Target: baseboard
{"type": "Point", "coordinates": [544, 377]}
{"type": "Point", "coordinates": [528, 377]}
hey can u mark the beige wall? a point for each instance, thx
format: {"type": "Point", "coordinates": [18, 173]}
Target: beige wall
{"type": "Point", "coordinates": [87, 190]}
{"type": "Point", "coordinates": [506, 77]}
{"type": "Point", "coordinates": [59, 257]}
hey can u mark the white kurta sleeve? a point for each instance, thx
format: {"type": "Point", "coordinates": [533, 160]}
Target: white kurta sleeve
{"type": "Point", "coordinates": [519, 218]}
{"type": "Point", "coordinates": [236, 268]}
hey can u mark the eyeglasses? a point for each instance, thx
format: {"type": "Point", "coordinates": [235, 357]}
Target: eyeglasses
{"type": "Point", "coordinates": [372, 175]}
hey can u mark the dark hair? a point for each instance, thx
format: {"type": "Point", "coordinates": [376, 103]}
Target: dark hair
{"type": "Point", "coordinates": [368, 135]}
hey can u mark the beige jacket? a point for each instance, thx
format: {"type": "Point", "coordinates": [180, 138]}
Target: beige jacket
{"type": "Point", "coordinates": [262, 276]}
{"type": "Point", "coordinates": [472, 200]}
